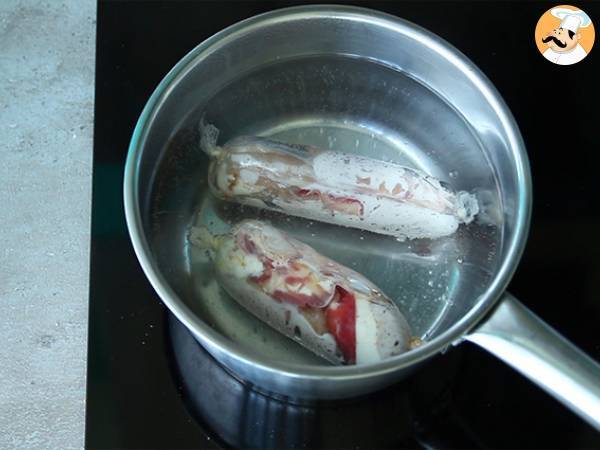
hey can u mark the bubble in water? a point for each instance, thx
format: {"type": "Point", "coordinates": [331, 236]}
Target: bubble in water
{"type": "Point", "coordinates": [460, 260]}
{"type": "Point", "coordinates": [453, 173]}
{"type": "Point", "coordinates": [430, 283]}
{"type": "Point", "coordinates": [330, 141]}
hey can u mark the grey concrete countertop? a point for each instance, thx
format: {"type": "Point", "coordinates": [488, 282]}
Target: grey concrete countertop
{"type": "Point", "coordinates": [46, 110]}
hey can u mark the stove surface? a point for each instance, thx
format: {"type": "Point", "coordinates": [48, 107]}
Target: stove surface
{"type": "Point", "coordinates": [150, 385]}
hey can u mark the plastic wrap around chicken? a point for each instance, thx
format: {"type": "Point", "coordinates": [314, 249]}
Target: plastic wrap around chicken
{"type": "Point", "coordinates": [330, 309]}
{"type": "Point", "coordinates": [333, 187]}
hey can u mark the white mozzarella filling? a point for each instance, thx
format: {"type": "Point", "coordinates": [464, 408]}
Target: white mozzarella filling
{"type": "Point", "coordinates": [366, 334]}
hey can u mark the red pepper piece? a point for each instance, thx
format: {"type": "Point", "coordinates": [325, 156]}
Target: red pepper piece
{"type": "Point", "coordinates": [341, 322]}
{"type": "Point", "coordinates": [310, 194]}
{"type": "Point", "coordinates": [247, 244]}
{"type": "Point", "coordinates": [346, 205]}
{"type": "Point", "coordinates": [292, 280]}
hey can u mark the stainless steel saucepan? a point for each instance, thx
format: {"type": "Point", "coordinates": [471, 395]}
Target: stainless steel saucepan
{"type": "Point", "coordinates": [354, 80]}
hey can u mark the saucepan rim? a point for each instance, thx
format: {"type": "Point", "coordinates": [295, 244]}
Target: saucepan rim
{"type": "Point", "coordinates": [212, 338]}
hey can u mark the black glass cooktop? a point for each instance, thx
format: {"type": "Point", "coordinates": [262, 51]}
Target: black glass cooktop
{"type": "Point", "coordinates": [150, 385]}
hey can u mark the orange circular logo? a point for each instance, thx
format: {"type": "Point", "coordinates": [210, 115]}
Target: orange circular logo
{"type": "Point", "coordinates": [564, 35]}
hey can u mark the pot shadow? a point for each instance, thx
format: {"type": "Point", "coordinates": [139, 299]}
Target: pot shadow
{"type": "Point", "coordinates": [414, 413]}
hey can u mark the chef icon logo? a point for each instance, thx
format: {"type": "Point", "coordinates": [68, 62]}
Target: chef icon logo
{"type": "Point", "coordinates": [564, 35]}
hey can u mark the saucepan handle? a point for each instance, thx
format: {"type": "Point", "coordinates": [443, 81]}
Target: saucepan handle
{"type": "Point", "coordinates": [524, 341]}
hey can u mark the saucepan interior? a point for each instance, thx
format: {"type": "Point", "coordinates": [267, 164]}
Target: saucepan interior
{"type": "Point", "coordinates": [345, 79]}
